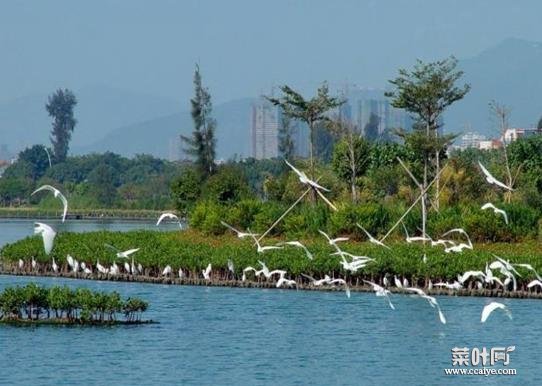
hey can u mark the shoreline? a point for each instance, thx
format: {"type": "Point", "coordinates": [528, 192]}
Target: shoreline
{"type": "Point", "coordinates": [81, 214]}
{"type": "Point", "coordinates": [235, 283]}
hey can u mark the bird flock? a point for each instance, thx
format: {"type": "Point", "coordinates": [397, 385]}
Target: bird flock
{"type": "Point", "coordinates": [499, 273]}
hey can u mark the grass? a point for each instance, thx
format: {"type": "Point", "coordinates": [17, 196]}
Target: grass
{"type": "Point", "coordinates": [192, 251]}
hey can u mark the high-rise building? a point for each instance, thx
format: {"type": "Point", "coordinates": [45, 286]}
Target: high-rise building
{"type": "Point", "coordinates": [264, 130]}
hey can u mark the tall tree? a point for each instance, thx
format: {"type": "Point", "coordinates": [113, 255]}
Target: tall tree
{"type": "Point", "coordinates": [286, 140]}
{"type": "Point", "coordinates": [202, 143]}
{"type": "Point", "coordinates": [351, 155]}
{"type": "Point", "coordinates": [539, 126]}
{"type": "Point", "coordinates": [310, 111]}
{"type": "Point", "coordinates": [425, 92]}
{"type": "Point", "coordinates": [60, 107]}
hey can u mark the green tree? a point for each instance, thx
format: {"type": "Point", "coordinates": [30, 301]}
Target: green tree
{"type": "Point", "coordinates": [102, 181]}
{"type": "Point", "coordinates": [202, 143]}
{"type": "Point", "coordinates": [310, 111]}
{"type": "Point", "coordinates": [425, 92]}
{"type": "Point", "coordinates": [539, 126]}
{"type": "Point", "coordinates": [286, 141]}
{"type": "Point", "coordinates": [227, 186]}
{"type": "Point", "coordinates": [38, 159]}
{"type": "Point", "coordinates": [186, 189]}
{"type": "Point", "coordinates": [60, 107]}
{"type": "Point", "coordinates": [351, 159]}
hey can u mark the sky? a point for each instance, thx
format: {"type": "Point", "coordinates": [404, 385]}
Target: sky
{"type": "Point", "coordinates": [243, 47]}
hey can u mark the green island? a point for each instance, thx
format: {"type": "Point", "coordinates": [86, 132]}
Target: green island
{"type": "Point", "coordinates": [34, 304]}
{"type": "Point", "coordinates": [192, 251]}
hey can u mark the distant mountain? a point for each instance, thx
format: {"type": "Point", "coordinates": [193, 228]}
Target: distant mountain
{"type": "Point", "coordinates": [160, 136]}
{"type": "Point", "coordinates": [100, 109]}
{"type": "Point", "coordinates": [511, 74]}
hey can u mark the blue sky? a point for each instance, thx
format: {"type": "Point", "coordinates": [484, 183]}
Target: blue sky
{"type": "Point", "coordinates": [243, 47]}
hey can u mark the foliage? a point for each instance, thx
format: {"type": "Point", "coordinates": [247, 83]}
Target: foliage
{"type": "Point", "coordinates": [186, 189]}
{"type": "Point", "coordinates": [227, 186]}
{"type": "Point", "coordinates": [60, 107]}
{"type": "Point", "coordinates": [193, 251]}
{"type": "Point", "coordinates": [61, 303]}
{"type": "Point", "coordinates": [202, 143]}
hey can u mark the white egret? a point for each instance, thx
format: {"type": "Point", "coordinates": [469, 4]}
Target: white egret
{"type": "Point", "coordinates": [371, 238]}
{"type": "Point", "coordinates": [207, 272]}
{"type": "Point", "coordinates": [266, 248]}
{"type": "Point", "coordinates": [304, 179]}
{"type": "Point", "coordinates": [70, 261]}
{"type": "Point", "coordinates": [181, 273]}
{"type": "Point", "coordinates": [432, 301]}
{"type": "Point", "coordinates": [48, 235]}
{"type": "Point", "coordinates": [170, 216]}
{"type": "Point", "coordinates": [318, 282]}
{"type": "Point", "coordinates": [334, 241]}
{"type": "Point", "coordinates": [380, 291]}
{"type": "Point", "coordinates": [166, 271]}
{"type": "Point", "coordinates": [297, 244]}
{"type": "Point", "coordinates": [493, 180]}
{"type": "Point", "coordinates": [453, 286]}
{"type": "Point", "coordinates": [397, 282]}
{"type": "Point", "coordinates": [231, 267]}
{"type": "Point", "coordinates": [341, 282]}
{"type": "Point", "coordinates": [122, 254]}
{"type": "Point", "coordinates": [285, 282]}
{"type": "Point", "coordinates": [33, 263]}
{"type": "Point", "coordinates": [248, 269]}
{"type": "Point", "coordinates": [239, 233]}
{"type": "Point", "coordinates": [488, 309]}
{"type": "Point", "coordinates": [54, 266]}
{"type": "Point", "coordinates": [410, 239]}
{"type": "Point", "coordinates": [496, 210]}
{"type": "Point", "coordinates": [100, 267]}
{"type": "Point", "coordinates": [57, 194]}
{"type": "Point", "coordinates": [87, 270]}
{"type": "Point", "coordinates": [535, 283]}
{"type": "Point", "coordinates": [21, 264]}
{"type": "Point", "coordinates": [467, 275]}
{"type": "Point", "coordinates": [127, 267]}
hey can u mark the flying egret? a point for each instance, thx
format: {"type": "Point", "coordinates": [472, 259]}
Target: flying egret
{"type": "Point", "coordinates": [453, 286]}
{"type": "Point", "coordinates": [166, 271]}
{"type": "Point", "coordinates": [57, 194]}
{"type": "Point", "coordinates": [371, 238]}
{"type": "Point", "coordinates": [380, 291]}
{"type": "Point", "coordinates": [467, 275]}
{"type": "Point", "coordinates": [318, 282]}
{"type": "Point", "coordinates": [247, 269]}
{"type": "Point", "coordinates": [297, 244]}
{"type": "Point", "coordinates": [341, 282]}
{"type": "Point", "coordinates": [496, 210]}
{"type": "Point", "coordinates": [333, 241]}
{"type": "Point", "coordinates": [285, 282]}
{"type": "Point", "coordinates": [410, 239]}
{"type": "Point", "coordinates": [304, 179]}
{"type": "Point", "coordinates": [168, 215]}
{"type": "Point", "coordinates": [239, 233]}
{"type": "Point", "coordinates": [48, 235]}
{"type": "Point", "coordinates": [530, 268]}
{"type": "Point", "coordinates": [488, 309]}
{"type": "Point", "coordinates": [535, 283]}
{"type": "Point", "coordinates": [266, 248]}
{"type": "Point", "coordinates": [491, 179]}
{"type": "Point", "coordinates": [432, 301]}
{"type": "Point", "coordinates": [207, 272]}
{"type": "Point", "coordinates": [122, 254]}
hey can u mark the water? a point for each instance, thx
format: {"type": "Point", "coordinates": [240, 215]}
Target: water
{"type": "Point", "coordinates": [229, 336]}
{"type": "Point", "coordinates": [13, 229]}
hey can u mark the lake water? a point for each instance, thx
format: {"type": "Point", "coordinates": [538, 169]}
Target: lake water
{"type": "Point", "coordinates": [232, 336]}
{"type": "Point", "coordinates": [15, 229]}
{"type": "Point", "coordinates": [260, 337]}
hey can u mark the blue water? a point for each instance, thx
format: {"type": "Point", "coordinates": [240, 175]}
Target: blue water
{"type": "Point", "coordinates": [210, 336]}
{"type": "Point", "coordinates": [14, 229]}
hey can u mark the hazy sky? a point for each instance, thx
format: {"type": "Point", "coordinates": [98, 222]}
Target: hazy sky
{"type": "Point", "coordinates": [243, 47]}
